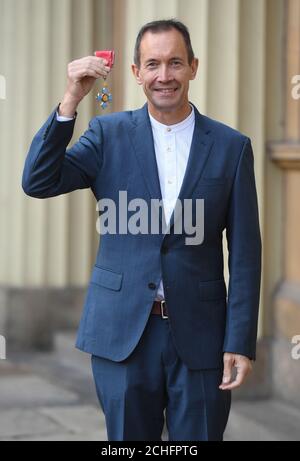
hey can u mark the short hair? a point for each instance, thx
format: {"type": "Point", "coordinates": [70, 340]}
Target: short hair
{"type": "Point", "coordinates": [163, 25]}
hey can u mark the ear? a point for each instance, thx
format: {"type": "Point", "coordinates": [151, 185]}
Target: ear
{"type": "Point", "coordinates": [136, 73]}
{"type": "Point", "coordinates": [194, 68]}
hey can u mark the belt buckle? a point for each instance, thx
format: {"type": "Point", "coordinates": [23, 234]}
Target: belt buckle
{"type": "Point", "coordinates": [163, 315]}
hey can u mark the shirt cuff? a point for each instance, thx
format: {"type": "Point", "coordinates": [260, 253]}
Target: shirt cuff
{"type": "Point", "coordinates": [62, 118]}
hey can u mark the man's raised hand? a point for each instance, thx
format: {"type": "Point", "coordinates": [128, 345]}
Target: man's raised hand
{"type": "Point", "coordinates": [81, 76]}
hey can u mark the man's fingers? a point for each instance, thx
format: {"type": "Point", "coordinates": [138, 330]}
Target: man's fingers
{"type": "Point", "coordinates": [78, 76]}
{"type": "Point", "coordinates": [88, 67]}
{"type": "Point", "coordinates": [243, 366]}
{"type": "Point", "coordinates": [228, 363]}
{"type": "Point", "coordinates": [240, 378]}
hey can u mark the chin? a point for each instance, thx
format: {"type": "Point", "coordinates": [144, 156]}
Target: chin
{"type": "Point", "coordinates": [166, 105]}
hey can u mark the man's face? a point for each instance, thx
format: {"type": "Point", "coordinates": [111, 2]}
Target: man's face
{"type": "Point", "coordinates": [164, 70]}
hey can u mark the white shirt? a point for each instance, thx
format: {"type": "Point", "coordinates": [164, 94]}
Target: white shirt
{"type": "Point", "coordinates": [172, 146]}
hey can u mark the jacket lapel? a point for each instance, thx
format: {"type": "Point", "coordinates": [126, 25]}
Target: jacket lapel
{"type": "Point", "coordinates": [143, 143]}
{"type": "Point", "coordinates": [200, 149]}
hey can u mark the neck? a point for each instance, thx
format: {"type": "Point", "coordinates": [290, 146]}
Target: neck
{"type": "Point", "coordinates": [170, 117]}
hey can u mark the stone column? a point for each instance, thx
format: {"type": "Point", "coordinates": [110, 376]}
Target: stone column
{"type": "Point", "coordinates": [286, 155]}
{"type": "Point", "coordinates": [47, 247]}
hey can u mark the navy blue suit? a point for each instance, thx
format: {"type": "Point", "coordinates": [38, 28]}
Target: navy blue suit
{"type": "Point", "coordinates": [117, 154]}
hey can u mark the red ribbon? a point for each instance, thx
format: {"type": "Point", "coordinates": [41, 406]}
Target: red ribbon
{"type": "Point", "coordinates": [109, 55]}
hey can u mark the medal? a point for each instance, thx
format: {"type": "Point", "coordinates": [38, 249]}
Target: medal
{"type": "Point", "coordinates": [105, 97]}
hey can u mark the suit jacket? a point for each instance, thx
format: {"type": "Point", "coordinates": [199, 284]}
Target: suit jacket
{"type": "Point", "coordinates": [117, 153]}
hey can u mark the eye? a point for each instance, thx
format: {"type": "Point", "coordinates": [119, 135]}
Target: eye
{"type": "Point", "coordinates": [176, 63]}
{"type": "Point", "coordinates": [151, 65]}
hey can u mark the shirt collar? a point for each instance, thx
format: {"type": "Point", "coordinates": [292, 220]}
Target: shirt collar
{"type": "Point", "coordinates": [167, 129]}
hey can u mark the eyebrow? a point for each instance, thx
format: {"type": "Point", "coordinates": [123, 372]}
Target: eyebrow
{"type": "Point", "coordinates": [175, 58]}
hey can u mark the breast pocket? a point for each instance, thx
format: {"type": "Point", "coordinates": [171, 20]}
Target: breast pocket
{"type": "Point", "coordinates": [213, 181]}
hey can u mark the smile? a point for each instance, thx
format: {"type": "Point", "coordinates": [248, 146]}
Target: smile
{"type": "Point", "coordinates": [166, 91]}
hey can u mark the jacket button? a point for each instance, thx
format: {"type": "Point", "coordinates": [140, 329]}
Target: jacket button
{"type": "Point", "coordinates": [152, 286]}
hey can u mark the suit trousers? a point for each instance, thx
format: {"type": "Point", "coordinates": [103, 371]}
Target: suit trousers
{"type": "Point", "coordinates": [153, 386]}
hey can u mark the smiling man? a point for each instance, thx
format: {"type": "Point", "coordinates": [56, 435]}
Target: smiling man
{"type": "Point", "coordinates": [163, 334]}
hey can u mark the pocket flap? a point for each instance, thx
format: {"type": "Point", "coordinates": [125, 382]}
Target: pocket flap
{"type": "Point", "coordinates": [212, 290]}
{"type": "Point", "coordinates": [106, 278]}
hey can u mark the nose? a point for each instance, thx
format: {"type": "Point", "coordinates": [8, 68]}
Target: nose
{"type": "Point", "coordinates": [164, 74]}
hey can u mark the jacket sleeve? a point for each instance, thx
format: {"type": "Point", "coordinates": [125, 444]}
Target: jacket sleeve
{"type": "Point", "coordinates": [50, 169]}
{"type": "Point", "coordinates": [244, 246]}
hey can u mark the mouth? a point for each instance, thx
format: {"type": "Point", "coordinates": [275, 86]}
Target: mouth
{"type": "Point", "coordinates": [165, 91]}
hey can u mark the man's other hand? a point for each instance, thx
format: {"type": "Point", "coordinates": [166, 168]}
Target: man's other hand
{"type": "Point", "coordinates": [243, 367]}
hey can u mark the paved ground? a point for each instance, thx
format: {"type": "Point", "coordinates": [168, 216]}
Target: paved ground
{"type": "Point", "coordinates": [52, 397]}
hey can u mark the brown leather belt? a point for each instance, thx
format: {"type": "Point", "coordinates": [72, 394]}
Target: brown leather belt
{"type": "Point", "coordinates": [160, 308]}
